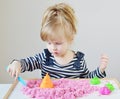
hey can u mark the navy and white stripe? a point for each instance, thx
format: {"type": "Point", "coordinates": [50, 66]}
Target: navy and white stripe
{"type": "Point", "coordinates": [46, 63]}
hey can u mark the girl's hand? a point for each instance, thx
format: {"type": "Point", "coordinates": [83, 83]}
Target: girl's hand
{"type": "Point", "coordinates": [14, 69]}
{"type": "Point", "coordinates": [104, 62]}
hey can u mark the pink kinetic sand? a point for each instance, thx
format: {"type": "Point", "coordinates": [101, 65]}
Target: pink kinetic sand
{"type": "Point", "coordinates": [63, 89]}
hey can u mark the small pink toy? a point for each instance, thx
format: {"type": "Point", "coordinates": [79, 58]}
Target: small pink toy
{"type": "Point", "coordinates": [104, 91]}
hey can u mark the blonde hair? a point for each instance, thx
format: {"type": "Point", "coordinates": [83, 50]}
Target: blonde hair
{"type": "Point", "coordinates": [58, 20]}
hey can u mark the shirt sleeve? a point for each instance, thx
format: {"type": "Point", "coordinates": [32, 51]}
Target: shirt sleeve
{"type": "Point", "coordinates": [94, 73]}
{"type": "Point", "coordinates": [32, 63]}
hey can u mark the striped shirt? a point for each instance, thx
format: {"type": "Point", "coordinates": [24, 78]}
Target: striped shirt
{"type": "Point", "coordinates": [45, 61]}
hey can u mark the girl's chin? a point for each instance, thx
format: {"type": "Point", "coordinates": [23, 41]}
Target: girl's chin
{"type": "Point", "coordinates": [58, 55]}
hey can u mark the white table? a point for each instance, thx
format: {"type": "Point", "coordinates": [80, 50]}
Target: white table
{"type": "Point", "coordinates": [3, 89]}
{"type": "Point", "coordinates": [17, 93]}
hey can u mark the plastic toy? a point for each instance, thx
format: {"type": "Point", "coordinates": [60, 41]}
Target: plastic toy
{"type": "Point", "coordinates": [110, 86]}
{"type": "Point", "coordinates": [95, 81]}
{"type": "Point", "coordinates": [104, 91]}
{"type": "Point", "coordinates": [46, 82]}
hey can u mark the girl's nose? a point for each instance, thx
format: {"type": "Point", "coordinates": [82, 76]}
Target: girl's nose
{"type": "Point", "coordinates": [54, 48]}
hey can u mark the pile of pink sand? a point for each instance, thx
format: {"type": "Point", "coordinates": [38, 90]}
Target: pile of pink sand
{"type": "Point", "coordinates": [63, 89]}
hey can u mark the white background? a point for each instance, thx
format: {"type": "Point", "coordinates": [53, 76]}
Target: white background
{"type": "Point", "coordinates": [98, 32]}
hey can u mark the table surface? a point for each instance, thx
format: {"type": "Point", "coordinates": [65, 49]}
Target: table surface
{"type": "Point", "coordinates": [4, 88]}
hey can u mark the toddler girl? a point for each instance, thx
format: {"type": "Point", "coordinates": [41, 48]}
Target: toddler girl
{"type": "Point", "coordinates": [58, 30]}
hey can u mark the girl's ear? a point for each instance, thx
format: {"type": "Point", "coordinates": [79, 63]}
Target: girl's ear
{"type": "Point", "coordinates": [71, 39]}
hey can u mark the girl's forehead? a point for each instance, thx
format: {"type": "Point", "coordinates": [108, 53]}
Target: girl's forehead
{"type": "Point", "coordinates": [56, 36]}
{"type": "Point", "coordinates": [56, 39]}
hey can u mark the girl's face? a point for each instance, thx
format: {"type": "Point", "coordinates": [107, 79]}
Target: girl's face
{"type": "Point", "coordinates": [58, 47]}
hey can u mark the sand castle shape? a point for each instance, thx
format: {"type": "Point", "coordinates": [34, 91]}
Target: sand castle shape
{"type": "Point", "coordinates": [46, 82]}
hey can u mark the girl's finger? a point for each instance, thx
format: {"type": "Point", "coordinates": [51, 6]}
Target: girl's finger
{"type": "Point", "coordinates": [17, 74]}
{"type": "Point", "coordinates": [13, 73]}
{"type": "Point", "coordinates": [104, 57]}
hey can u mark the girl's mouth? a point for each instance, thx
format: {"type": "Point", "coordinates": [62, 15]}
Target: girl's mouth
{"type": "Point", "coordinates": [55, 53]}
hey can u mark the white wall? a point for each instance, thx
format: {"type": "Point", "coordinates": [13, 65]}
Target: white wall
{"type": "Point", "coordinates": [98, 32]}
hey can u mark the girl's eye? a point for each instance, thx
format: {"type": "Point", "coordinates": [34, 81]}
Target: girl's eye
{"type": "Point", "coordinates": [49, 43]}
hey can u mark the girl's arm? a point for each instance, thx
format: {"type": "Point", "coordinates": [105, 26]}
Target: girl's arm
{"type": "Point", "coordinates": [32, 63]}
{"type": "Point", "coordinates": [99, 72]}
{"type": "Point", "coordinates": [104, 62]}
{"type": "Point", "coordinates": [28, 64]}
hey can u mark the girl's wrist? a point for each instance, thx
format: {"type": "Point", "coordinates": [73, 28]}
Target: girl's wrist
{"type": "Point", "coordinates": [14, 60]}
{"type": "Point", "coordinates": [102, 70]}
{"type": "Point", "coordinates": [17, 64]}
